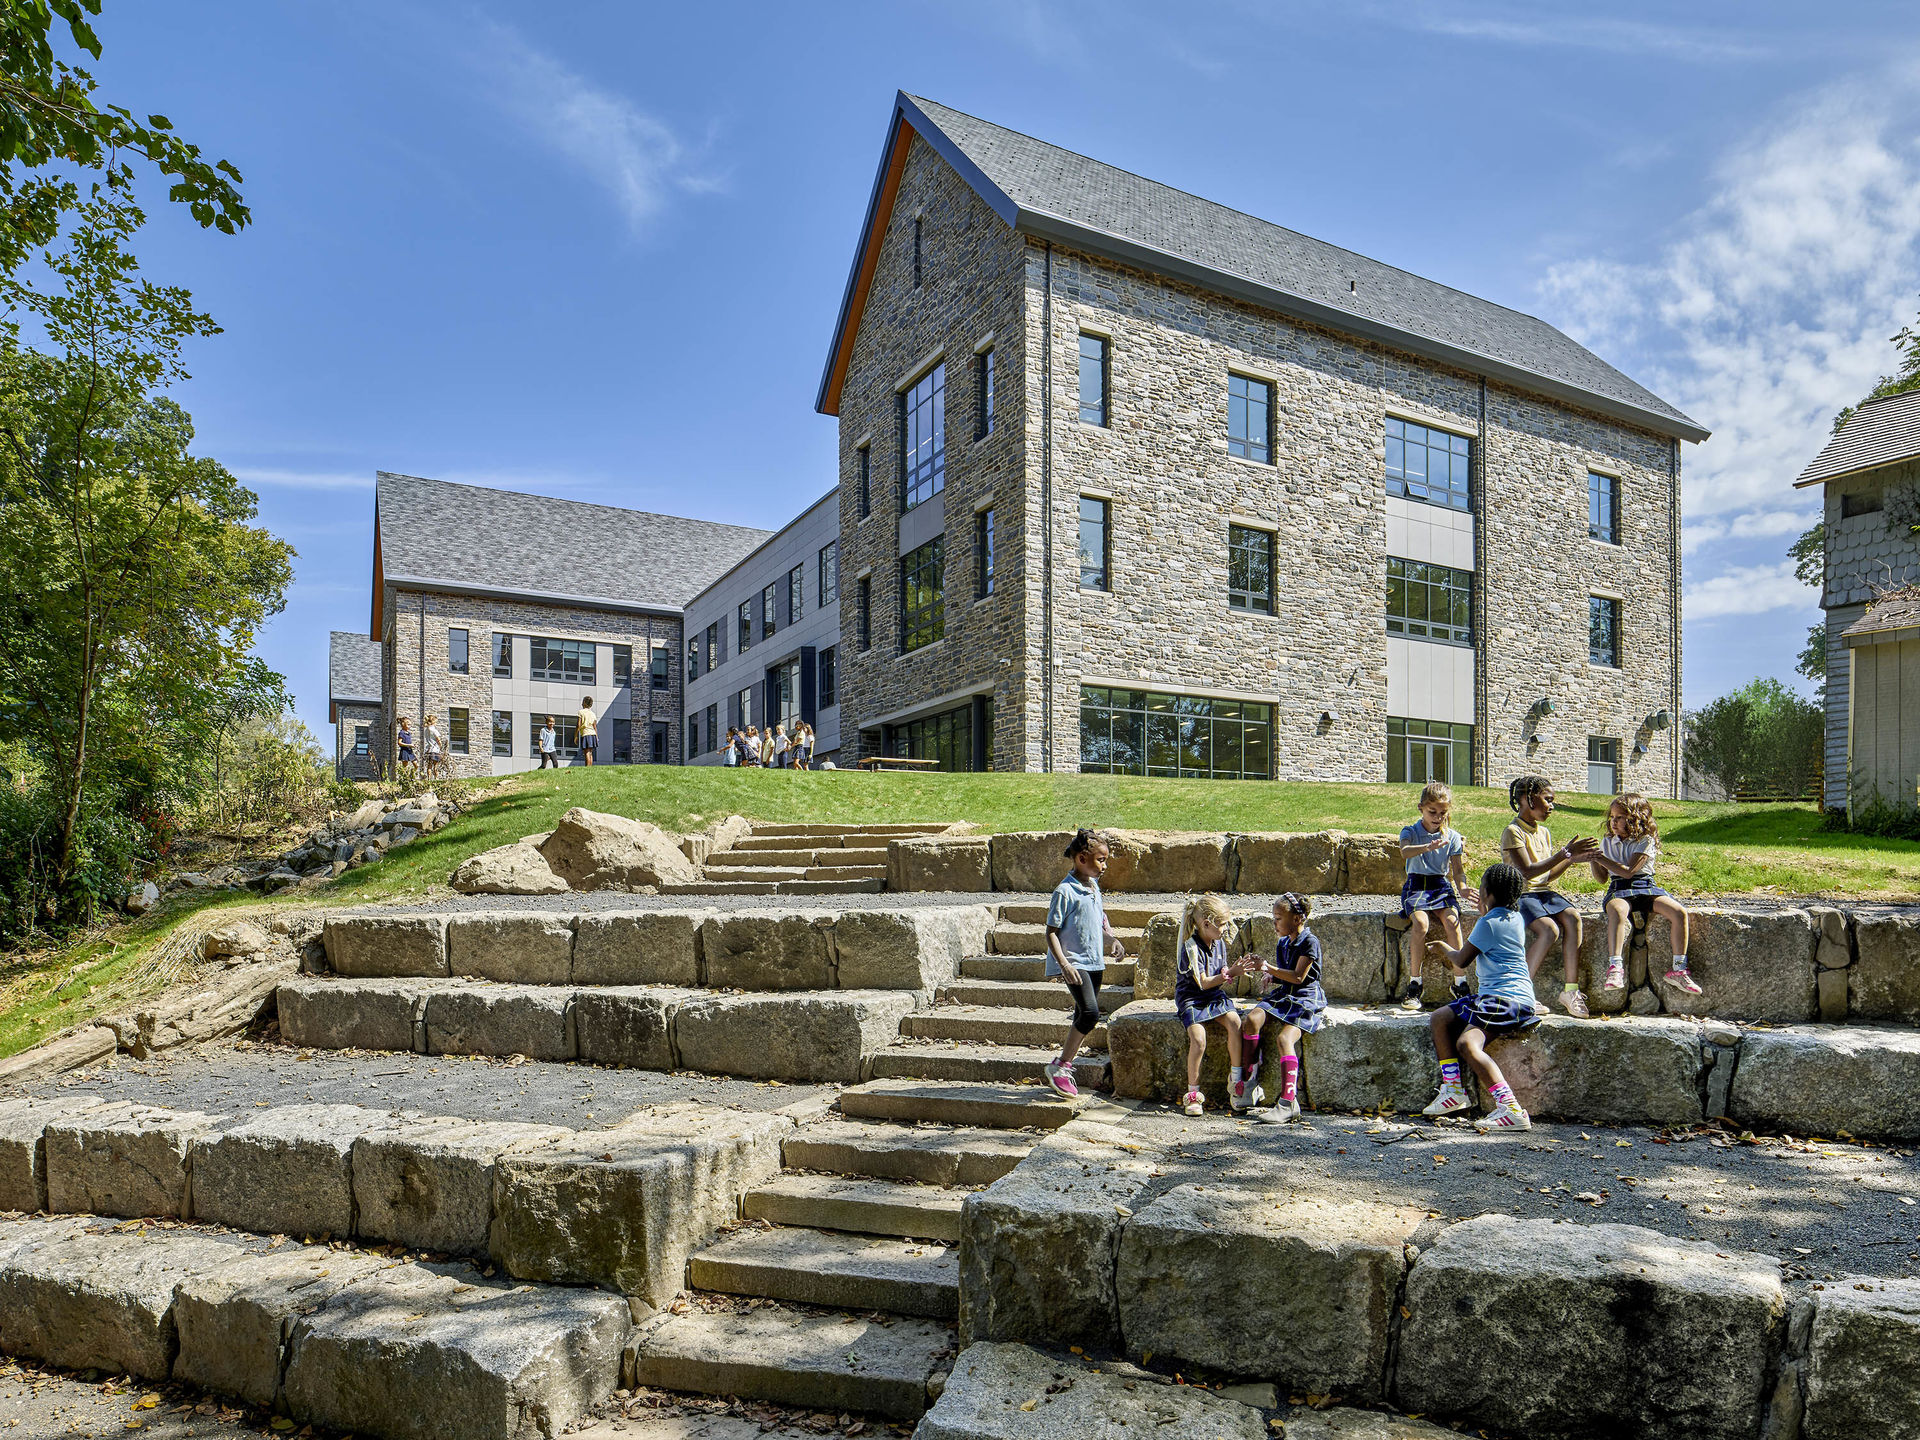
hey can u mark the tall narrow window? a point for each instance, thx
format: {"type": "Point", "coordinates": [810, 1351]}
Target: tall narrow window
{"type": "Point", "coordinates": [660, 666]}
{"type": "Point", "coordinates": [1428, 465]}
{"type": "Point", "coordinates": [829, 688]}
{"type": "Point", "coordinates": [457, 730]}
{"type": "Point", "coordinates": [362, 739]}
{"type": "Point", "coordinates": [622, 664]}
{"type": "Point", "coordinates": [1250, 419]}
{"type": "Point", "coordinates": [1429, 602]}
{"type": "Point", "coordinates": [1093, 380]}
{"type": "Point", "coordinates": [923, 608]}
{"type": "Point", "coordinates": [457, 652]}
{"type": "Point", "coordinates": [1603, 508]}
{"type": "Point", "coordinates": [864, 630]}
{"type": "Point", "coordinates": [693, 735]}
{"type": "Point", "coordinates": [983, 553]}
{"type": "Point", "coordinates": [745, 701]}
{"type": "Point", "coordinates": [983, 394]}
{"type": "Point", "coordinates": [1095, 551]}
{"type": "Point", "coordinates": [693, 658]}
{"type": "Point", "coordinates": [865, 458]}
{"type": "Point", "coordinates": [502, 656]}
{"type": "Point", "coordinates": [1250, 569]}
{"type": "Point", "coordinates": [829, 572]}
{"type": "Point", "coordinates": [795, 595]}
{"type": "Point", "coordinates": [745, 639]}
{"type": "Point", "coordinates": [503, 732]}
{"type": "Point", "coordinates": [1603, 765]}
{"type": "Point", "coordinates": [1603, 631]}
{"type": "Point", "coordinates": [916, 252]}
{"type": "Point", "coordinates": [623, 742]}
{"type": "Point", "coordinates": [713, 645]}
{"type": "Point", "coordinates": [923, 438]}
{"type": "Point", "coordinates": [767, 625]}
{"type": "Point", "coordinates": [713, 726]}
{"type": "Point", "coordinates": [662, 742]}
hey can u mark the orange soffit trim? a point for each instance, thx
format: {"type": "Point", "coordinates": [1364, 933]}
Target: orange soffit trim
{"type": "Point", "coordinates": [869, 258]}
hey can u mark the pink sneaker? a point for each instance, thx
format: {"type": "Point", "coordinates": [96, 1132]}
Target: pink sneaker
{"type": "Point", "coordinates": [1681, 980]}
{"type": "Point", "coordinates": [1060, 1080]}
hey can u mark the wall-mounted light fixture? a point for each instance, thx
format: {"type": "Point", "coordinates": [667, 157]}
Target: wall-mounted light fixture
{"type": "Point", "coordinates": [1659, 720]}
{"type": "Point", "coordinates": [1542, 707]}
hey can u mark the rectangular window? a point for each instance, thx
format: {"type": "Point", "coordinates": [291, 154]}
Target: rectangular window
{"type": "Point", "coordinates": [1093, 380]}
{"type": "Point", "coordinates": [745, 701]}
{"type": "Point", "coordinates": [660, 666]}
{"type": "Point", "coordinates": [623, 742]}
{"type": "Point", "coordinates": [1603, 508]}
{"type": "Point", "coordinates": [713, 645]}
{"type": "Point", "coordinates": [693, 658]}
{"type": "Point", "coordinates": [1603, 631]}
{"type": "Point", "coordinates": [983, 553]}
{"type": "Point", "coordinates": [865, 455]}
{"type": "Point", "coordinates": [1603, 766]}
{"type": "Point", "coordinates": [916, 252]}
{"type": "Point", "coordinates": [693, 735]}
{"type": "Point", "coordinates": [572, 662]}
{"type": "Point", "coordinates": [1862, 502]}
{"type": "Point", "coordinates": [946, 739]}
{"type": "Point", "coordinates": [829, 581]}
{"type": "Point", "coordinates": [923, 439]}
{"type": "Point", "coordinates": [502, 657]}
{"type": "Point", "coordinates": [1137, 732]}
{"type": "Point", "coordinates": [1420, 752]}
{"type": "Point", "coordinates": [1428, 465]}
{"type": "Point", "coordinates": [1429, 602]}
{"type": "Point", "coordinates": [829, 693]}
{"type": "Point", "coordinates": [923, 610]}
{"type": "Point", "coordinates": [767, 623]}
{"type": "Point", "coordinates": [457, 652]}
{"type": "Point", "coordinates": [361, 742]}
{"type": "Point", "coordinates": [662, 741]}
{"type": "Point", "coordinates": [456, 730]}
{"type": "Point", "coordinates": [566, 735]}
{"type": "Point", "coordinates": [713, 727]}
{"type": "Point", "coordinates": [503, 732]}
{"type": "Point", "coordinates": [796, 596]}
{"type": "Point", "coordinates": [864, 630]}
{"type": "Point", "coordinates": [1249, 419]}
{"type": "Point", "coordinates": [622, 664]}
{"type": "Point", "coordinates": [1250, 569]}
{"type": "Point", "coordinates": [983, 394]}
{"type": "Point", "coordinates": [1095, 553]}
{"type": "Point", "coordinates": [746, 626]}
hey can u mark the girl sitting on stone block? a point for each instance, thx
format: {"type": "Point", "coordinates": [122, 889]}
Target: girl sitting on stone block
{"type": "Point", "coordinates": [1294, 1000]}
{"type": "Point", "coordinates": [1505, 1005]}
{"type": "Point", "coordinates": [1625, 862]}
{"type": "Point", "coordinates": [1434, 851]}
{"type": "Point", "coordinates": [1201, 976]}
{"type": "Point", "coordinates": [1527, 845]}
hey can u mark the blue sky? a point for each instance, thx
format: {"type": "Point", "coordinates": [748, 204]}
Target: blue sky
{"type": "Point", "coordinates": [595, 251]}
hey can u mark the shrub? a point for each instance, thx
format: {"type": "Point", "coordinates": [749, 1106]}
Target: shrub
{"type": "Point", "coordinates": [111, 848]}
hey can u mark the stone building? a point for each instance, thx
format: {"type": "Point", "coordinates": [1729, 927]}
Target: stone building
{"type": "Point", "coordinates": [763, 639]}
{"type": "Point", "coordinates": [1870, 475]}
{"type": "Point", "coordinates": [494, 610]}
{"type": "Point", "coordinates": [353, 705]}
{"type": "Point", "coordinates": [1131, 481]}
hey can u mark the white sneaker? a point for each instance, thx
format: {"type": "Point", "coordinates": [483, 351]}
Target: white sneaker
{"type": "Point", "coordinates": [1616, 976]}
{"type": "Point", "coordinates": [1451, 1100]}
{"type": "Point", "coordinates": [1504, 1117]}
{"type": "Point", "coordinates": [1240, 1095]}
{"type": "Point", "coordinates": [1193, 1104]}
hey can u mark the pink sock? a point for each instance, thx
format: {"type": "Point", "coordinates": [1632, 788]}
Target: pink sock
{"type": "Point", "coordinates": [1289, 1076]}
{"type": "Point", "coordinates": [1501, 1094]}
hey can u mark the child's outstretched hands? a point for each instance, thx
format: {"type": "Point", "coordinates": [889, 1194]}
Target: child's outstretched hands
{"type": "Point", "coordinates": [1581, 845]}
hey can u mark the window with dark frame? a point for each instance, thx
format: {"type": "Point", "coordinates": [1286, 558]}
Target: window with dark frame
{"type": "Point", "coordinates": [693, 735]}
{"type": "Point", "coordinates": [1095, 545]}
{"type": "Point", "coordinates": [623, 742]}
{"type": "Point", "coordinates": [744, 702]}
{"type": "Point", "coordinates": [923, 608]}
{"type": "Point", "coordinates": [1429, 602]}
{"type": "Point", "coordinates": [983, 394]}
{"type": "Point", "coordinates": [1250, 418]}
{"type": "Point", "coordinates": [622, 664]}
{"type": "Point", "coordinates": [662, 741]}
{"type": "Point", "coordinates": [456, 730]}
{"type": "Point", "coordinates": [923, 438]}
{"type": "Point", "coordinates": [864, 611]}
{"type": "Point", "coordinates": [1603, 508]}
{"type": "Point", "coordinates": [571, 662]}
{"type": "Point", "coordinates": [713, 727]}
{"type": "Point", "coordinates": [693, 658]}
{"type": "Point", "coordinates": [1138, 732]}
{"type": "Point", "coordinates": [660, 666]}
{"type": "Point", "coordinates": [796, 597]}
{"type": "Point", "coordinates": [566, 735]}
{"type": "Point", "coordinates": [746, 627]}
{"type": "Point", "coordinates": [1428, 465]}
{"type": "Point", "coordinates": [503, 732]}
{"type": "Point", "coordinates": [1093, 380]}
{"type": "Point", "coordinates": [361, 739]}
{"type": "Point", "coordinates": [829, 583]}
{"type": "Point", "coordinates": [865, 453]}
{"type": "Point", "coordinates": [1603, 631]}
{"type": "Point", "coordinates": [829, 687]}
{"type": "Point", "coordinates": [1250, 569]}
{"type": "Point", "coordinates": [1423, 751]}
{"type": "Point", "coordinates": [502, 657]}
{"type": "Point", "coordinates": [768, 626]}
{"type": "Point", "coordinates": [713, 645]}
{"type": "Point", "coordinates": [983, 553]}
{"type": "Point", "coordinates": [457, 652]}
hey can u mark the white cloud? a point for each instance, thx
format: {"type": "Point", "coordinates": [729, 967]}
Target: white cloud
{"type": "Point", "coordinates": [1748, 525]}
{"type": "Point", "coordinates": [305, 479]}
{"type": "Point", "coordinates": [636, 158]}
{"type": "Point", "coordinates": [1747, 590]}
{"type": "Point", "coordinates": [1523, 27]}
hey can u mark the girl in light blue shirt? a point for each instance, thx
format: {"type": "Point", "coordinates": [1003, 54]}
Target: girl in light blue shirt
{"type": "Point", "coordinates": [1505, 1005]}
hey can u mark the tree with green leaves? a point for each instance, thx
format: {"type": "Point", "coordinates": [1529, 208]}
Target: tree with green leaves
{"type": "Point", "coordinates": [1809, 556]}
{"type": "Point", "coordinates": [1761, 739]}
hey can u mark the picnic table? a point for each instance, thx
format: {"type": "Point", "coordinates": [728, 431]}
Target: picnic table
{"type": "Point", "coordinates": [877, 763]}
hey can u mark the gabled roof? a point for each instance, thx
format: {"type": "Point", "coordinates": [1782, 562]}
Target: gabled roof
{"type": "Point", "coordinates": [353, 670]}
{"type": "Point", "coordinates": [1881, 432]}
{"type": "Point", "coordinates": [466, 539]}
{"type": "Point", "coordinates": [1053, 194]}
{"type": "Point", "coordinates": [1897, 611]}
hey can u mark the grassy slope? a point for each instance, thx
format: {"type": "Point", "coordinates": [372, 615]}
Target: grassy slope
{"type": "Point", "coordinates": [1707, 848]}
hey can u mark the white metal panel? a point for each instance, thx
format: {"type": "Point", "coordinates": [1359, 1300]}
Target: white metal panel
{"type": "Point", "coordinates": [1426, 681]}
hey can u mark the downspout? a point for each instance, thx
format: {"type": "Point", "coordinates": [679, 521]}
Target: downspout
{"type": "Point", "coordinates": [1673, 553]}
{"type": "Point", "coordinates": [1482, 729]}
{"type": "Point", "coordinates": [422, 658]}
{"type": "Point", "coordinates": [1046, 516]}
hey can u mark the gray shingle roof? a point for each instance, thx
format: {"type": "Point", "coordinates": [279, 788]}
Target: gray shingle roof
{"type": "Point", "coordinates": [469, 538]}
{"type": "Point", "coordinates": [353, 667]}
{"type": "Point", "coordinates": [1897, 611]}
{"type": "Point", "coordinates": [1881, 432]}
{"type": "Point", "coordinates": [1056, 194]}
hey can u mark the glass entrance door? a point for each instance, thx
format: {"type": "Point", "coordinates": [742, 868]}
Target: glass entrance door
{"type": "Point", "coordinates": [783, 694]}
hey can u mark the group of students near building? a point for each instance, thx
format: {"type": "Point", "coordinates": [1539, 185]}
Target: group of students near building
{"type": "Point", "coordinates": [772, 748]}
{"type": "Point", "coordinates": [1521, 915]}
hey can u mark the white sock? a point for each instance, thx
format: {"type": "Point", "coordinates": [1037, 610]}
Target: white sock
{"type": "Point", "coordinates": [1618, 960]}
{"type": "Point", "coordinates": [1680, 962]}
{"type": "Point", "coordinates": [1236, 1074]}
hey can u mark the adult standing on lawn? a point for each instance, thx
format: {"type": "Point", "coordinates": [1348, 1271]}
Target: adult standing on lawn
{"type": "Point", "coordinates": [589, 729]}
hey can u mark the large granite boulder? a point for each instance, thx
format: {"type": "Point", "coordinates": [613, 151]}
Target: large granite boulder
{"type": "Point", "coordinates": [1751, 965]}
{"type": "Point", "coordinates": [629, 1026]}
{"type": "Point", "coordinates": [1860, 1376]}
{"type": "Point", "coordinates": [1147, 1046]}
{"type": "Point", "coordinates": [366, 947]}
{"type": "Point", "coordinates": [426, 1181]}
{"type": "Point", "coordinates": [353, 1014]}
{"type": "Point", "coordinates": [123, 1159]}
{"type": "Point", "coordinates": [287, 1170]}
{"type": "Point", "coordinates": [1153, 862]}
{"type": "Point", "coordinates": [769, 950]}
{"type": "Point", "coordinates": [918, 949]}
{"type": "Point", "coordinates": [593, 851]}
{"type": "Point", "coordinates": [806, 1035]}
{"type": "Point", "coordinates": [1273, 863]}
{"type": "Point", "coordinates": [940, 862]}
{"type": "Point", "coordinates": [1630, 1070]}
{"type": "Point", "coordinates": [23, 1146]}
{"type": "Point", "coordinates": [1825, 1080]}
{"type": "Point", "coordinates": [1030, 860]}
{"type": "Point", "coordinates": [235, 940]}
{"type": "Point", "coordinates": [532, 948]}
{"type": "Point", "coordinates": [536, 1021]}
{"type": "Point", "coordinates": [516, 869]}
{"type": "Point", "coordinates": [1885, 980]}
{"type": "Point", "coordinates": [658, 947]}
{"type": "Point", "coordinates": [1373, 865]}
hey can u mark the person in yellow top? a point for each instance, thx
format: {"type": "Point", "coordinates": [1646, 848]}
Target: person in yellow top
{"type": "Point", "coordinates": [1527, 845]}
{"type": "Point", "coordinates": [589, 729]}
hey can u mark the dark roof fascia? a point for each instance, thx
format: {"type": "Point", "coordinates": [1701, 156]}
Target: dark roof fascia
{"type": "Point", "coordinates": [748, 558]}
{"type": "Point", "coordinates": [353, 699]}
{"type": "Point", "coordinates": [1856, 474]}
{"type": "Point", "coordinates": [539, 597]}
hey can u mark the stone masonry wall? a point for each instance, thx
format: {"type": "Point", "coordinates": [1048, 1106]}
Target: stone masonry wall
{"type": "Point", "coordinates": [346, 764]}
{"type": "Point", "coordinates": [401, 648]}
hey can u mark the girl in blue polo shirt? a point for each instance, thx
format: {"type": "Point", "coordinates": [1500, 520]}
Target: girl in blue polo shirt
{"type": "Point", "coordinates": [1078, 942]}
{"type": "Point", "coordinates": [1505, 1005]}
{"type": "Point", "coordinates": [1433, 850]}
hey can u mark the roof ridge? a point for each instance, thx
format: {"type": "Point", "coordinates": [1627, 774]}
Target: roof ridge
{"type": "Point", "coordinates": [565, 500]}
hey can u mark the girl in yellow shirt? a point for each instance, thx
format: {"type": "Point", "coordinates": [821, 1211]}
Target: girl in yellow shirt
{"type": "Point", "coordinates": [1527, 845]}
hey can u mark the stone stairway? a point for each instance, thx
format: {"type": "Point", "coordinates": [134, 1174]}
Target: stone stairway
{"type": "Point", "coordinates": [840, 1288]}
{"type": "Point", "coordinates": [779, 859]}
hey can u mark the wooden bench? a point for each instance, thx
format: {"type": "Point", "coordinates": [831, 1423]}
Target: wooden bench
{"type": "Point", "coordinates": [876, 763]}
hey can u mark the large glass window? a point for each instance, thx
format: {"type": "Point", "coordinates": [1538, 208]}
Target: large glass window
{"type": "Point", "coordinates": [566, 735]}
{"type": "Point", "coordinates": [983, 394]}
{"type": "Point", "coordinates": [569, 661]}
{"type": "Point", "coordinates": [693, 735]}
{"type": "Point", "coordinates": [983, 553]}
{"type": "Point", "coordinates": [1603, 630]}
{"type": "Point", "coordinates": [662, 741]}
{"type": "Point", "coordinates": [457, 652]}
{"type": "Point", "coordinates": [1250, 569]}
{"type": "Point", "coordinates": [693, 658]}
{"type": "Point", "coordinates": [502, 657]}
{"type": "Point", "coordinates": [1138, 732]}
{"type": "Point", "coordinates": [863, 631]}
{"type": "Point", "coordinates": [1093, 380]}
{"type": "Point", "coordinates": [796, 596]}
{"type": "Point", "coordinates": [746, 626]}
{"type": "Point", "coordinates": [1429, 465]}
{"type": "Point", "coordinates": [1420, 751]}
{"type": "Point", "coordinates": [946, 737]}
{"type": "Point", "coordinates": [457, 730]}
{"type": "Point", "coordinates": [1603, 508]}
{"type": "Point", "coordinates": [1250, 419]}
{"type": "Point", "coordinates": [503, 732]}
{"type": "Point", "coordinates": [767, 599]}
{"type": "Point", "coordinates": [923, 609]}
{"type": "Point", "coordinates": [713, 727]}
{"type": "Point", "coordinates": [923, 438]}
{"type": "Point", "coordinates": [1603, 766]}
{"type": "Point", "coordinates": [829, 692]}
{"type": "Point", "coordinates": [1429, 602]}
{"type": "Point", "coordinates": [622, 664]}
{"type": "Point", "coordinates": [829, 585]}
{"type": "Point", "coordinates": [1095, 549]}
{"type": "Point", "coordinates": [743, 702]}
{"type": "Point", "coordinates": [623, 742]}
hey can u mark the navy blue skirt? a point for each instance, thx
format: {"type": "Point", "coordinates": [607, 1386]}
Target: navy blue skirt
{"type": "Point", "coordinates": [1538, 904]}
{"type": "Point", "coordinates": [1427, 892]}
{"type": "Point", "coordinates": [1639, 892]}
{"type": "Point", "coordinates": [1208, 1007]}
{"type": "Point", "coordinates": [1305, 1008]}
{"type": "Point", "coordinates": [1494, 1015]}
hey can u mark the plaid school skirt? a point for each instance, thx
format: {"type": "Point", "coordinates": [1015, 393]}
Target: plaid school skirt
{"type": "Point", "coordinates": [1639, 892]}
{"type": "Point", "coordinates": [1427, 892]}
{"type": "Point", "coordinates": [1538, 904]}
{"type": "Point", "coordinates": [1495, 1015]}
{"type": "Point", "coordinates": [1211, 1006]}
{"type": "Point", "coordinates": [1305, 1007]}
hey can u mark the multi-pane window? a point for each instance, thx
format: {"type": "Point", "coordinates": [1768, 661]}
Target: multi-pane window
{"type": "Point", "coordinates": [566, 735]}
{"type": "Point", "coordinates": [660, 666]}
{"type": "Point", "coordinates": [502, 657]}
{"type": "Point", "coordinates": [361, 739]}
{"type": "Point", "coordinates": [923, 608]}
{"type": "Point", "coordinates": [623, 742]}
{"type": "Point", "coordinates": [743, 702]}
{"type": "Point", "coordinates": [568, 661]}
{"type": "Point", "coordinates": [713, 645]}
{"type": "Point", "coordinates": [1603, 507]}
{"type": "Point", "coordinates": [1429, 602]}
{"type": "Point", "coordinates": [1137, 732]}
{"type": "Point", "coordinates": [1421, 751]}
{"type": "Point", "coordinates": [1095, 551]}
{"type": "Point", "coordinates": [1429, 465]}
{"type": "Point", "coordinates": [1093, 380]}
{"type": "Point", "coordinates": [1250, 569]}
{"type": "Point", "coordinates": [457, 652]}
{"type": "Point", "coordinates": [713, 727]}
{"type": "Point", "coordinates": [795, 596]}
{"type": "Point", "coordinates": [923, 438]}
{"type": "Point", "coordinates": [1603, 630]}
{"type": "Point", "coordinates": [829, 572]}
{"type": "Point", "coordinates": [1603, 766]}
{"type": "Point", "coordinates": [746, 625]}
{"type": "Point", "coordinates": [829, 689]}
{"type": "Point", "coordinates": [865, 457]}
{"type": "Point", "coordinates": [864, 614]}
{"type": "Point", "coordinates": [983, 553]}
{"type": "Point", "coordinates": [767, 624]}
{"type": "Point", "coordinates": [622, 664]}
{"type": "Point", "coordinates": [946, 739]}
{"type": "Point", "coordinates": [503, 732]}
{"type": "Point", "coordinates": [1250, 418]}
{"type": "Point", "coordinates": [662, 742]}
{"type": "Point", "coordinates": [457, 730]}
{"type": "Point", "coordinates": [693, 735]}
{"type": "Point", "coordinates": [983, 394]}
{"type": "Point", "coordinates": [693, 658]}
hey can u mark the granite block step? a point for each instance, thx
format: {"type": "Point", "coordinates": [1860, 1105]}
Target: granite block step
{"type": "Point", "coordinates": [864, 1207]}
{"type": "Point", "coordinates": [1026, 994]}
{"type": "Point", "coordinates": [844, 873]}
{"type": "Point", "coordinates": [1033, 967]}
{"type": "Point", "coordinates": [1122, 917]}
{"type": "Point", "coordinates": [986, 1064]}
{"type": "Point", "coordinates": [994, 1024]}
{"type": "Point", "coordinates": [953, 1102]}
{"type": "Point", "coordinates": [835, 1270]}
{"type": "Point", "coordinates": [934, 1155]}
{"type": "Point", "coordinates": [1008, 939]}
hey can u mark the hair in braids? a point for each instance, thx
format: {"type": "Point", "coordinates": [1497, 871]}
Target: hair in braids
{"type": "Point", "coordinates": [1083, 841]}
{"type": "Point", "coordinates": [1524, 788]}
{"type": "Point", "coordinates": [1299, 904]}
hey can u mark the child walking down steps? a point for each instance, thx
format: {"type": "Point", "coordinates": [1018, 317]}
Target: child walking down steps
{"type": "Point", "coordinates": [1505, 1005]}
{"type": "Point", "coordinates": [1078, 942]}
